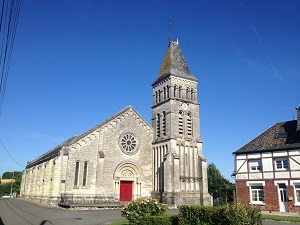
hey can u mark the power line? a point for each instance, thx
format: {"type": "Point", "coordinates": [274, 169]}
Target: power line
{"type": "Point", "coordinates": [10, 154]}
{"type": "Point", "coordinates": [9, 22]}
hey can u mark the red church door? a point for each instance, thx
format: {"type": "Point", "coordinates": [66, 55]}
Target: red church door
{"type": "Point", "coordinates": [126, 191]}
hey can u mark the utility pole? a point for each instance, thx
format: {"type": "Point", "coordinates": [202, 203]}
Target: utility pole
{"type": "Point", "coordinates": [11, 185]}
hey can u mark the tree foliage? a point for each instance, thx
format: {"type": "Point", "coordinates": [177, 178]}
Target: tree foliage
{"type": "Point", "coordinates": [5, 188]}
{"type": "Point", "coordinates": [220, 188]}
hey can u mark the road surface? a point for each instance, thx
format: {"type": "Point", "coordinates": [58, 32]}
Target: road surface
{"type": "Point", "coordinates": [15, 211]}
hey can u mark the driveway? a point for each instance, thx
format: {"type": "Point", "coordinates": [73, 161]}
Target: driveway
{"type": "Point", "coordinates": [17, 211]}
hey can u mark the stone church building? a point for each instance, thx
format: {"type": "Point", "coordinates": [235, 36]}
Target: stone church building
{"type": "Point", "coordinates": [124, 158]}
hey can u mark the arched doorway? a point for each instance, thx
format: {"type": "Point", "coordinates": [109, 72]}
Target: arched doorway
{"type": "Point", "coordinates": [127, 179]}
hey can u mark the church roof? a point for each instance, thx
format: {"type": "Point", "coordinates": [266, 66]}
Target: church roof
{"type": "Point", "coordinates": [281, 136]}
{"type": "Point", "coordinates": [174, 64]}
{"type": "Point", "coordinates": [52, 153]}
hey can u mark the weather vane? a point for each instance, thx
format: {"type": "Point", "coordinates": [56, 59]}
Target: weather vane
{"type": "Point", "coordinates": [170, 28]}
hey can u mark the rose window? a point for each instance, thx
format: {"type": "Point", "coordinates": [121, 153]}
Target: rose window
{"type": "Point", "coordinates": [128, 143]}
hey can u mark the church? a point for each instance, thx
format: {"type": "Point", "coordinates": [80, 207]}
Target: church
{"type": "Point", "coordinates": [124, 158]}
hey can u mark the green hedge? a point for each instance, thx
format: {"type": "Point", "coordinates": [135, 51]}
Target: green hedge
{"type": "Point", "coordinates": [166, 219]}
{"type": "Point", "coordinates": [227, 214]}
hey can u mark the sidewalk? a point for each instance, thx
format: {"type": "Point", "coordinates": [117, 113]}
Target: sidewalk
{"type": "Point", "coordinates": [274, 213]}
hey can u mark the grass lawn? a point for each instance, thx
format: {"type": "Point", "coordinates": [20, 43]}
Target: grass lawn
{"type": "Point", "coordinates": [264, 217]}
{"type": "Point", "coordinates": [122, 222]}
{"type": "Point", "coordinates": [281, 218]}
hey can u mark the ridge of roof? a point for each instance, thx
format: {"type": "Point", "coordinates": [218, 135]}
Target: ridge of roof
{"type": "Point", "coordinates": [174, 64]}
{"type": "Point", "coordinates": [50, 154]}
{"type": "Point", "coordinates": [106, 121]}
{"type": "Point", "coordinates": [55, 151]}
{"type": "Point", "coordinates": [270, 139]}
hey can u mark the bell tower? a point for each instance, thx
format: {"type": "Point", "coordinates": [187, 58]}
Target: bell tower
{"type": "Point", "coordinates": [179, 175]}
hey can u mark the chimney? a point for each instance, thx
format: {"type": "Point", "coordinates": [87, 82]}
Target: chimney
{"type": "Point", "coordinates": [298, 118]}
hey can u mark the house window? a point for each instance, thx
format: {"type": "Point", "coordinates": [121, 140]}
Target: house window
{"type": "Point", "coordinates": [297, 193]}
{"type": "Point", "coordinates": [76, 173]}
{"type": "Point", "coordinates": [85, 167]}
{"type": "Point", "coordinates": [255, 165]}
{"type": "Point", "coordinates": [257, 194]}
{"type": "Point", "coordinates": [282, 163]}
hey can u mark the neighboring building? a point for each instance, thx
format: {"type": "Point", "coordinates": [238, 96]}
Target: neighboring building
{"type": "Point", "coordinates": [3, 181]}
{"type": "Point", "coordinates": [124, 158]}
{"type": "Point", "coordinates": [267, 169]}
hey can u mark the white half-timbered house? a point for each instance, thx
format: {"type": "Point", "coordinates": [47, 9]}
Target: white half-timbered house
{"type": "Point", "coordinates": [267, 169]}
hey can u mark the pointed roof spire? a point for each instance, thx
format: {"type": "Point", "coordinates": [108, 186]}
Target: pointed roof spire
{"type": "Point", "coordinates": [174, 63]}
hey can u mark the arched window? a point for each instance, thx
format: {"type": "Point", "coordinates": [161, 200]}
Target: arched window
{"type": "Point", "coordinates": [158, 126]}
{"type": "Point", "coordinates": [180, 122]}
{"type": "Point", "coordinates": [179, 91]}
{"type": "Point", "coordinates": [187, 93]}
{"type": "Point", "coordinates": [165, 94]}
{"type": "Point", "coordinates": [168, 91]}
{"type": "Point", "coordinates": [85, 170]}
{"type": "Point", "coordinates": [189, 124]}
{"type": "Point", "coordinates": [192, 94]}
{"type": "Point", "coordinates": [159, 93]}
{"type": "Point", "coordinates": [164, 124]}
{"type": "Point", "coordinates": [156, 98]}
{"type": "Point", "coordinates": [175, 90]}
{"type": "Point", "coordinates": [76, 173]}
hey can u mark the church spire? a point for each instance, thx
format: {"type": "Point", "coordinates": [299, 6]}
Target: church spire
{"type": "Point", "coordinates": [174, 63]}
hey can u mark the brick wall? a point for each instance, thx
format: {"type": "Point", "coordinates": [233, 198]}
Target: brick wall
{"type": "Point", "coordinates": [270, 196]}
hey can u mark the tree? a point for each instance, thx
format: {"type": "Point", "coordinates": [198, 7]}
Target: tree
{"type": "Point", "coordinates": [6, 187]}
{"type": "Point", "coordinates": [220, 188]}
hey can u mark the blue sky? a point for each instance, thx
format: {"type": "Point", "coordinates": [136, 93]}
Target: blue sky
{"type": "Point", "coordinates": [76, 63]}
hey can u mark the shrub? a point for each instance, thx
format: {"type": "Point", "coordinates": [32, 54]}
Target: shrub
{"type": "Point", "coordinates": [166, 219]}
{"type": "Point", "coordinates": [227, 214]}
{"type": "Point", "coordinates": [141, 209]}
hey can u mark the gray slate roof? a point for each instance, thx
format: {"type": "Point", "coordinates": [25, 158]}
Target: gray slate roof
{"type": "Point", "coordinates": [52, 153]}
{"type": "Point", "coordinates": [174, 64]}
{"type": "Point", "coordinates": [280, 136]}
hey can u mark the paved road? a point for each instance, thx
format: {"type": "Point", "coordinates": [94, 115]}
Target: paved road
{"type": "Point", "coordinates": [19, 212]}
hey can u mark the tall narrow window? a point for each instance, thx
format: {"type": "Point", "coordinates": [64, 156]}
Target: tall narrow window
{"type": "Point", "coordinates": [165, 94]}
{"type": "Point", "coordinates": [164, 123]}
{"type": "Point", "coordinates": [179, 91]}
{"type": "Point", "coordinates": [187, 93]}
{"type": "Point", "coordinates": [189, 124]}
{"type": "Point", "coordinates": [85, 167]}
{"type": "Point", "coordinates": [156, 97]}
{"type": "Point", "coordinates": [168, 91]}
{"type": "Point", "coordinates": [297, 193]}
{"type": "Point", "coordinates": [192, 94]}
{"type": "Point", "coordinates": [158, 126]}
{"type": "Point", "coordinates": [180, 122]}
{"type": "Point", "coordinates": [76, 173]}
{"type": "Point", "coordinates": [159, 95]}
{"type": "Point", "coordinates": [175, 90]}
